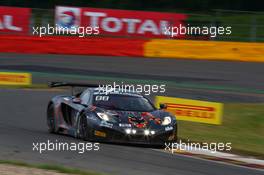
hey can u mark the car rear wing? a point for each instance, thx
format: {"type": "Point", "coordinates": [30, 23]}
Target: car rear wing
{"type": "Point", "coordinates": [72, 85]}
{"type": "Point", "coordinates": [64, 84]}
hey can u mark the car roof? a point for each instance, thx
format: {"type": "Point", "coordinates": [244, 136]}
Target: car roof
{"type": "Point", "coordinates": [115, 91]}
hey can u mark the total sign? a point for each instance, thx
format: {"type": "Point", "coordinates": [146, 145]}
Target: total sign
{"type": "Point", "coordinates": [67, 17]}
{"type": "Point", "coordinates": [14, 20]}
{"type": "Point", "coordinates": [125, 22]}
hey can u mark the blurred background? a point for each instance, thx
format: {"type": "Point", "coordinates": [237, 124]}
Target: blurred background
{"type": "Point", "coordinates": [226, 70]}
{"type": "Point", "coordinates": [245, 17]}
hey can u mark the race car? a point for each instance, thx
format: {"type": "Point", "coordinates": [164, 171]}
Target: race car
{"type": "Point", "coordinates": [97, 114]}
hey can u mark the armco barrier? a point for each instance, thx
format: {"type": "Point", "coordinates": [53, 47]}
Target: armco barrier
{"type": "Point", "coordinates": [72, 45]}
{"type": "Point", "coordinates": [208, 50]}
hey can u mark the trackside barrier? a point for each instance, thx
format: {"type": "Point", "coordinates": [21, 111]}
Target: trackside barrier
{"type": "Point", "coordinates": [205, 50]}
{"type": "Point", "coordinates": [14, 78]}
{"type": "Point", "coordinates": [193, 110]}
{"type": "Point", "coordinates": [161, 48]}
{"type": "Point", "coordinates": [72, 45]}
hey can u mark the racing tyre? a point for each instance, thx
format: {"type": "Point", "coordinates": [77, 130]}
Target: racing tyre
{"type": "Point", "coordinates": [51, 118]}
{"type": "Point", "coordinates": [85, 131]}
{"type": "Point", "coordinates": [176, 134]}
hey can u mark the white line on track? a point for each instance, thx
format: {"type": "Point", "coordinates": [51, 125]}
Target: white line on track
{"type": "Point", "coordinates": [203, 159]}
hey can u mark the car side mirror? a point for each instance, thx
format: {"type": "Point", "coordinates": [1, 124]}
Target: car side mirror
{"type": "Point", "coordinates": [163, 106]}
{"type": "Point", "coordinates": [77, 100]}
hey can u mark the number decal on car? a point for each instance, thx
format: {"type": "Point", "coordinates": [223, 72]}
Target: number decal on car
{"type": "Point", "coordinates": [101, 98]}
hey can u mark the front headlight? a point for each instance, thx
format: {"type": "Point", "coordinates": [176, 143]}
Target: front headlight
{"type": "Point", "coordinates": [103, 116]}
{"type": "Point", "coordinates": [166, 121]}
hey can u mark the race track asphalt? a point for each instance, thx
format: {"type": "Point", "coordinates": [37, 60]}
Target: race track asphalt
{"type": "Point", "coordinates": [218, 81]}
{"type": "Point", "coordinates": [22, 111]}
{"type": "Point", "coordinates": [23, 123]}
{"type": "Point", "coordinates": [243, 74]}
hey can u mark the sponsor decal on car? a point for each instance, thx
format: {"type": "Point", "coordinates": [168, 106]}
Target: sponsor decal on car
{"type": "Point", "coordinates": [171, 137]}
{"type": "Point", "coordinates": [101, 98]}
{"type": "Point", "coordinates": [136, 121]}
{"type": "Point", "coordinates": [106, 124]}
{"type": "Point", "coordinates": [168, 128]}
{"type": "Point", "coordinates": [99, 133]}
{"type": "Point", "coordinates": [193, 110]}
{"type": "Point", "coordinates": [91, 117]}
{"type": "Point", "coordinates": [124, 125]}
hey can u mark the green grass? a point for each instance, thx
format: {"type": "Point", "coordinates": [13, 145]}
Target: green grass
{"type": "Point", "coordinates": [57, 168]}
{"type": "Point", "coordinates": [243, 126]}
{"type": "Point", "coordinates": [241, 23]}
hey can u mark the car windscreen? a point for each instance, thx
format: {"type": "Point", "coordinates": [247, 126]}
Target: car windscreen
{"type": "Point", "coordinates": [123, 103]}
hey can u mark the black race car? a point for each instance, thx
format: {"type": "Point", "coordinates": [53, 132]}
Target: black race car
{"type": "Point", "coordinates": [114, 116]}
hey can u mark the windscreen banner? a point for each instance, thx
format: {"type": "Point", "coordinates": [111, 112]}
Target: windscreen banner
{"type": "Point", "coordinates": [119, 22]}
{"type": "Point", "coordinates": [14, 20]}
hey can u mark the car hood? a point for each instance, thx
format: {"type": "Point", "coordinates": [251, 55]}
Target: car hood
{"type": "Point", "coordinates": [139, 119]}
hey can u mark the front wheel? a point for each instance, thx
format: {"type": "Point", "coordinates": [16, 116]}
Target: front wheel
{"type": "Point", "coordinates": [85, 131]}
{"type": "Point", "coordinates": [51, 118]}
{"type": "Point", "coordinates": [176, 133]}
{"type": "Point", "coordinates": [173, 138]}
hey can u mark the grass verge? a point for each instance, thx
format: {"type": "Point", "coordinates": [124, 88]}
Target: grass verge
{"type": "Point", "coordinates": [57, 168]}
{"type": "Point", "coordinates": [243, 126]}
